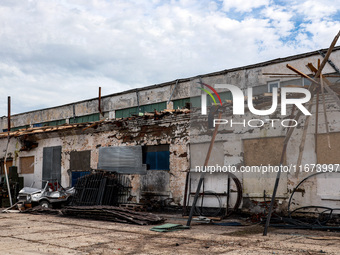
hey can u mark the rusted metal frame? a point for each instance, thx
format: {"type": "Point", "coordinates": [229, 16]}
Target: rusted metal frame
{"type": "Point", "coordinates": [9, 114]}
{"type": "Point", "coordinates": [100, 101]}
{"type": "Point", "coordinates": [192, 209]}
{"type": "Point", "coordinates": [185, 194]}
{"type": "Point", "coordinates": [228, 196]}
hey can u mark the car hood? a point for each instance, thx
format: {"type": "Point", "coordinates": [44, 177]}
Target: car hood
{"type": "Point", "coordinates": [29, 190]}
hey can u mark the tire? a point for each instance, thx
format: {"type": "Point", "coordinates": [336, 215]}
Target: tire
{"type": "Point", "coordinates": [45, 204]}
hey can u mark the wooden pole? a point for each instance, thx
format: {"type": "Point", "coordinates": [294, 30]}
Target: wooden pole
{"type": "Point", "coordinates": [329, 51]}
{"type": "Point", "coordinates": [324, 111]}
{"type": "Point", "coordinates": [303, 140]}
{"type": "Point", "coordinates": [316, 123]}
{"type": "Point", "coordinates": [5, 160]}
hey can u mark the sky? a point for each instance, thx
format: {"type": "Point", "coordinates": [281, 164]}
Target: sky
{"type": "Point", "coordinates": [57, 52]}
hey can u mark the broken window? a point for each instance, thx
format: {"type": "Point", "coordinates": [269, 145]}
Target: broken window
{"type": "Point", "coordinates": [27, 165]}
{"type": "Point", "coordinates": [157, 157]}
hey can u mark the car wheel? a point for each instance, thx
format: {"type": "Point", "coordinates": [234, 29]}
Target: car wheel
{"type": "Point", "coordinates": [45, 204]}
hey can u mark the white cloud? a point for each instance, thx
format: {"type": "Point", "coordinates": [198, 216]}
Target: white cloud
{"type": "Point", "coordinates": [315, 10]}
{"type": "Point", "coordinates": [243, 5]}
{"type": "Point", "coordinates": [57, 52]}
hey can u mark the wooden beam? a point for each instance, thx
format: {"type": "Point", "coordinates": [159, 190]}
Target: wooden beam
{"type": "Point", "coordinates": [329, 51]}
{"type": "Point", "coordinates": [316, 122]}
{"type": "Point", "coordinates": [329, 90]}
{"type": "Point", "coordinates": [324, 111]}
{"type": "Point", "coordinates": [303, 140]}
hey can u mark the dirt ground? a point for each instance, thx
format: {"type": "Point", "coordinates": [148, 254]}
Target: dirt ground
{"type": "Point", "coordinates": [46, 234]}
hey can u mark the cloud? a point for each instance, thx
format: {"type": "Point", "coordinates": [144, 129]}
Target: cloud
{"type": "Point", "coordinates": [243, 5]}
{"type": "Point", "coordinates": [57, 52]}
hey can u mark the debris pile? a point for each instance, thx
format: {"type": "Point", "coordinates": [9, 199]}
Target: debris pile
{"type": "Point", "coordinates": [112, 213]}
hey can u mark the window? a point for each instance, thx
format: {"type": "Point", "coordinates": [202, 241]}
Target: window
{"type": "Point", "coordinates": [124, 113]}
{"type": "Point", "coordinates": [156, 157]}
{"type": "Point", "coordinates": [85, 118]}
{"type": "Point", "coordinates": [121, 159]}
{"type": "Point", "coordinates": [263, 151]}
{"type": "Point", "coordinates": [127, 112]}
{"type": "Point", "coordinates": [27, 165]}
{"type": "Point", "coordinates": [9, 163]}
{"type": "Point", "coordinates": [16, 128]}
{"type": "Point", "coordinates": [80, 160]}
{"type": "Point", "coordinates": [76, 175]}
{"type": "Point", "coordinates": [326, 155]}
{"type": "Point", "coordinates": [273, 84]}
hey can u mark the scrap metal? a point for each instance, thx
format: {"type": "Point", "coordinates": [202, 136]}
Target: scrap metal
{"type": "Point", "coordinates": [112, 213]}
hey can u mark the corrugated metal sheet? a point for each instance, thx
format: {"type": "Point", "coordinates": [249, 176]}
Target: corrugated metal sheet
{"type": "Point", "coordinates": [122, 159]}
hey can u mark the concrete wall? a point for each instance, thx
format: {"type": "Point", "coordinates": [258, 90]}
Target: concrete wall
{"type": "Point", "coordinates": [177, 131]}
{"type": "Point", "coordinates": [171, 130]}
{"type": "Point", "coordinates": [244, 77]}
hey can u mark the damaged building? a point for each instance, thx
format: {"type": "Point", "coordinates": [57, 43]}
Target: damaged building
{"type": "Point", "coordinates": [150, 135]}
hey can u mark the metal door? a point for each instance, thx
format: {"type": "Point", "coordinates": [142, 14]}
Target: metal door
{"type": "Point", "coordinates": [52, 163]}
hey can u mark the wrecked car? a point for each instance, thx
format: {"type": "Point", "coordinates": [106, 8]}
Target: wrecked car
{"type": "Point", "coordinates": [52, 195]}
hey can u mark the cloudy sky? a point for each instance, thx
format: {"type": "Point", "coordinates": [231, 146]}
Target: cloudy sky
{"type": "Point", "coordinates": [61, 51]}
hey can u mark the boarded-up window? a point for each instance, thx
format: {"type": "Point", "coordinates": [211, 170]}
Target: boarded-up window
{"type": "Point", "coordinates": [263, 151]}
{"type": "Point", "coordinates": [325, 154]}
{"type": "Point", "coordinates": [198, 153]}
{"type": "Point", "coordinates": [27, 165]}
{"type": "Point", "coordinates": [80, 160]}
{"type": "Point", "coordinates": [9, 163]}
{"type": "Point", "coordinates": [122, 159]}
